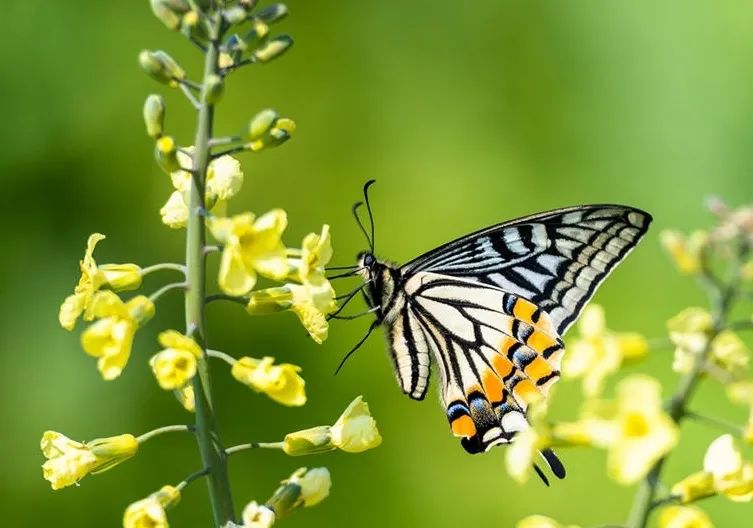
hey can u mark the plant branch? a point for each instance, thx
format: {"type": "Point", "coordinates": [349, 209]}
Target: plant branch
{"type": "Point", "coordinates": [224, 297]}
{"type": "Point", "coordinates": [253, 445]}
{"type": "Point", "coordinates": [162, 430]}
{"type": "Point", "coordinates": [716, 423]}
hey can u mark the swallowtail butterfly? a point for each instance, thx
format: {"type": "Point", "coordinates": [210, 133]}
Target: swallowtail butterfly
{"type": "Point", "coordinates": [490, 309]}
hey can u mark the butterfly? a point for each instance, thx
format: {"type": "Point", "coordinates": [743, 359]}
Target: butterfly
{"type": "Point", "coordinates": [490, 309]}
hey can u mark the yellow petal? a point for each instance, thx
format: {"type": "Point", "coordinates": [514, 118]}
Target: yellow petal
{"type": "Point", "coordinates": [70, 310]}
{"type": "Point", "coordinates": [225, 177]}
{"type": "Point", "coordinates": [235, 278]}
{"type": "Point", "coordinates": [592, 321]}
{"type": "Point", "coordinates": [173, 368]}
{"type": "Point", "coordinates": [356, 431]}
{"type": "Point", "coordinates": [684, 517]}
{"type": "Point", "coordinates": [175, 211]}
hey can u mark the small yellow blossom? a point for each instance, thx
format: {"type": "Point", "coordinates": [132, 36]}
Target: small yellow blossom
{"type": "Point", "coordinates": [304, 488]}
{"type": "Point", "coordinates": [519, 456]}
{"type": "Point", "coordinates": [69, 461]}
{"type": "Point", "coordinates": [315, 254]}
{"type": "Point", "coordinates": [311, 303]}
{"type": "Point", "coordinates": [355, 431]}
{"type": "Point", "coordinates": [110, 338]}
{"type": "Point", "coordinates": [280, 382]}
{"type": "Point", "coordinates": [730, 353]}
{"type": "Point", "coordinates": [150, 512]}
{"type": "Point", "coordinates": [251, 245]}
{"type": "Point", "coordinates": [689, 331]}
{"type": "Point", "coordinates": [686, 252]}
{"type": "Point", "coordinates": [119, 277]}
{"type": "Point", "coordinates": [175, 366]}
{"type": "Point", "coordinates": [599, 352]}
{"type": "Point", "coordinates": [733, 477]}
{"type": "Point", "coordinates": [696, 486]}
{"type": "Point", "coordinates": [257, 516]}
{"type": "Point", "coordinates": [224, 180]}
{"type": "Point", "coordinates": [541, 521]}
{"type": "Point", "coordinates": [684, 517]}
{"type": "Point", "coordinates": [186, 397]}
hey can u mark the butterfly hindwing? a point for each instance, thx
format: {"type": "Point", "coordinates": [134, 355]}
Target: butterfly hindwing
{"type": "Point", "coordinates": [555, 259]}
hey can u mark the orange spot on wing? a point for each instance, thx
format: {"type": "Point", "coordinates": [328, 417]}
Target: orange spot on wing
{"type": "Point", "coordinates": [502, 365]}
{"type": "Point", "coordinates": [524, 310]}
{"type": "Point", "coordinates": [526, 392]}
{"type": "Point", "coordinates": [463, 426]}
{"type": "Point", "coordinates": [492, 386]}
{"type": "Point", "coordinates": [539, 341]}
{"type": "Point", "coordinates": [538, 368]}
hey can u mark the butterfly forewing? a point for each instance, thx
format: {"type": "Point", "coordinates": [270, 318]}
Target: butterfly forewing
{"type": "Point", "coordinates": [555, 260]}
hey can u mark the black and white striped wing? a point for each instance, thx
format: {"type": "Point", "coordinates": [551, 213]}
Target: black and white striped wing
{"type": "Point", "coordinates": [555, 259]}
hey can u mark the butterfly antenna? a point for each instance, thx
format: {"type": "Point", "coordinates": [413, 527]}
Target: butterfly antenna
{"type": "Point", "coordinates": [358, 345]}
{"type": "Point", "coordinates": [368, 208]}
{"type": "Point", "coordinates": [355, 316]}
{"type": "Point", "coordinates": [349, 297]}
{"type": "Point", "coordinates": [360, 224]}
{"type": "Point", "coordinates": [346, 274]}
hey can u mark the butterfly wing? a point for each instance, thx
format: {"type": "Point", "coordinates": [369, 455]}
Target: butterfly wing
{"type": "Point", "coordinates": [555, 259]}
{"type": "Point", "coordinates": [496, 352]}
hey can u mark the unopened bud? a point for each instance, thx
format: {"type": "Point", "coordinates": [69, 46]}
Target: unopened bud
{"type": "Point", "coordinates": [154, 115]}
{"type": "Point", "coordinates": [261, 123]}
{"type": "Point", "coordinates": [170, 12]}
{"type": "Point", "coordinates": [309, 441]}
{"type": "Point", "coordinates": [213, 88]}
{"type": "Point", "coordinates": [235, 14]}
{"type": "Point", "coordinates": [273, 13]}
{"type": "Point", "coordinates": [166, 154]}
{"type": "Point", "coordinates": [273, 49]}
{"type": "Point", "coordinates": [122, 277]}
{"type": "Point", "coordinates": [161, 67]}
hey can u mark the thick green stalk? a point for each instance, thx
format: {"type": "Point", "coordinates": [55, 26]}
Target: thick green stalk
{"type": "Point", "coordinates": [211, 448]}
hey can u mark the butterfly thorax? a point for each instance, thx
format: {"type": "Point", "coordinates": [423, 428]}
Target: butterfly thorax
{"type": "Point", "coordinates": [383, 291]}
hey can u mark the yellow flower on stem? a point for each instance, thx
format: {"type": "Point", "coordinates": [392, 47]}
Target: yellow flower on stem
{"type": "Point", "coordinates": [257, 516]}
{"type": "Point", "coordinates": [250, 246]}
{"type": "Point", "coordinates": [599, 352]}
{"type": "Point", "coordinates": [150, 512]}
{"type": "Point", "coordinates": [311, 303]}
{"type": "Point", "coordinates": [224, 180]}
{"type": "Point", "coordinates": [69, 461]}
{"type": "Point", "coordinates": [280, 382]}
{"type": "Point", "coordinates": [354, 432]}
{"type": "Point", "coordinates": [315, 254]}
{"type": "Point", "coordinates": [684, 517]}
{"type": "Point", "coordinates": [110, 338]}
{"type": "Point", "coordinates": [729, 353]}
{"type": "Point", "coordinates": [689, 331]}
{"type": "Point", "coordinates": [541, 521]}
{"type": "Point", "coordinates": [304, 488]}
{"type": "Point", "coordinates": [634, 429]}
{"type": "Point", "coordinates": [686, 252]}
{"type": "Point", "coordinates": [119, 277]}
{"type": "Point", "coordinates": [175, 366]}
{"type": "Point", "coordinates": [732, 476]}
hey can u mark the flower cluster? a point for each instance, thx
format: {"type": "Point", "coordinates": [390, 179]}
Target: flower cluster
{"type": "Point", "coordinates": [638, 428]}
{"type": "Point", "coordinates": [256, 269]}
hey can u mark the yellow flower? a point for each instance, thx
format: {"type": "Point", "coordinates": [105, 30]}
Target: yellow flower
{"type": "Point", "coordinates": [541, 521]}
{"type": "Point", "coordinates": [110, 338]}
{"type": "Point", "coordinates": [685, 251]}
{"type": "Point", "coordinates": [310, 302]}
{"type": "Point", "coordinates": [599, 352]}
{"type": "Point", "coordinates": [303, 488]}
{"type": "Point", "coordinates": [634, 429]}
{"type": "Point", "coordinates": [257, 516]}
{"type": "Point", "coordinates": [186, 398]}
{"type": "Point", "coordinates": [732, 476]}
{"type": "Point", "coordinates": [355, 431]}
{"type": "Point", "coordinates": [175, 366]}
{"type": "Point", "coordinates": [696, 486]}
{"type": "Point", "coordinates": [689, 331]}
{"type": "Point", "coordinates": [118, 277]}
{"type": "Point", "coordinates": [315, 254]}
{"type": "Point", "coordinates": [224, 180]}
{"type": "Point", "coordinates": [150, 512]}
{"type": "Point", "coordinates": [280, 382]}
{"type": "Point", "coordinates": [69, 461]}
{"type": "Point", "coordinates": [730, 353]}
{"type": "Point", "coordinates": [519, 456]}
{"type": "Point", "coordinates": [251, 246]}
{"type": "Point", "coordinates": [684, 517]}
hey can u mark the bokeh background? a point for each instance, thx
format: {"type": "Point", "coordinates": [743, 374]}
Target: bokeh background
{"type": "Point", "coordinates": [466, 114]}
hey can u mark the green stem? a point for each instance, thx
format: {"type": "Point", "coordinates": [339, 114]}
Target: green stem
{"type": "Point", "coordinates": [225, 297]}
{"type": "Point", "coordinates": [162, 430]}
{"type": "Point", "coordinates": [227, 358]}
{"type": "Point", "coordinates": [190, 478]}
{"type": "Point", "coordinates": [253, 445]}
{"type": "Point", "coordinates": [211, 448]}
{"type": "Point", "coordinates": [716, 422]}
{"type": "Point", "coordinates": [163, 266]}
{"type": "Point", "coordinates": [164, 289]}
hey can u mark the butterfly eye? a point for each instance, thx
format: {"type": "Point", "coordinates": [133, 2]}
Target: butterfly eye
{"type": "Point", "coordinates": [368, 260]}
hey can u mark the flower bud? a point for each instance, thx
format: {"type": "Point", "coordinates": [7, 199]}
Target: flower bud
{"type": "Point", "coordinates": [270, 300]}
{"type": "Point", "coordinates": [141, 309]}
{"type": "Point", "coordinates": [112, 451]}
{"type": "Point", "coordinates": [694, 487]}
{"type": "Point", "coordinates": [151, 511]}
{"type": "Point", "coordinates": [166, 154]}
{"type": "Point", "coordinates": [154, 115]}
{"type": "Point", "coordinates": [169, 12]}
{"type": "Point", "coordinates": [161, 67]}
{"type": "Point", "coordinates": [122, 277]}
{"type": "Point", "coordinates": [309, 441]}
{"type": "Point", "coordinates": [213, 88]}
{"type": "Point", "coordinates": [261, 123]}
{"type": "Point", "coordinates": [303, 488]}
{"type": "Point", "coordinates": [235, 14]}
{"type": "Point", "coordinates": [273, 13]}
{"type": "Point", "coordinates": [257, 35]}
{"type": "Point", "coordinates": [273, 49]}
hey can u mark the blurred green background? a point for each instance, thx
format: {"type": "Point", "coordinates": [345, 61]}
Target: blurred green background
{"type": "Point", "coordinates": [466, 114]}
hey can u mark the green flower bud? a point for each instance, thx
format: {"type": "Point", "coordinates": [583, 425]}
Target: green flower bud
{"type": "Point", "coordinates": [213, 88]}
{"type": "Point", "coordinates": [170, 12]}
{"type": "Point", "coordinates": [273, 49]}
{"type": "Point", "coordinates": [166, 154]}
{"type": "Point", "coordinates": [261, 123]}
{"type": "Point", "coordinates": [257, 35]}
{"type": "Point", "coordinates": [273, 13]}
{"type": "Point", "coordinates": [161, 67]}
{"type": "Point", "coordinates": [235, 14]}
{"type": "Point", "coordinates": [309, 441]}
{"type": "Point", "coordinates": [154, 115]}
